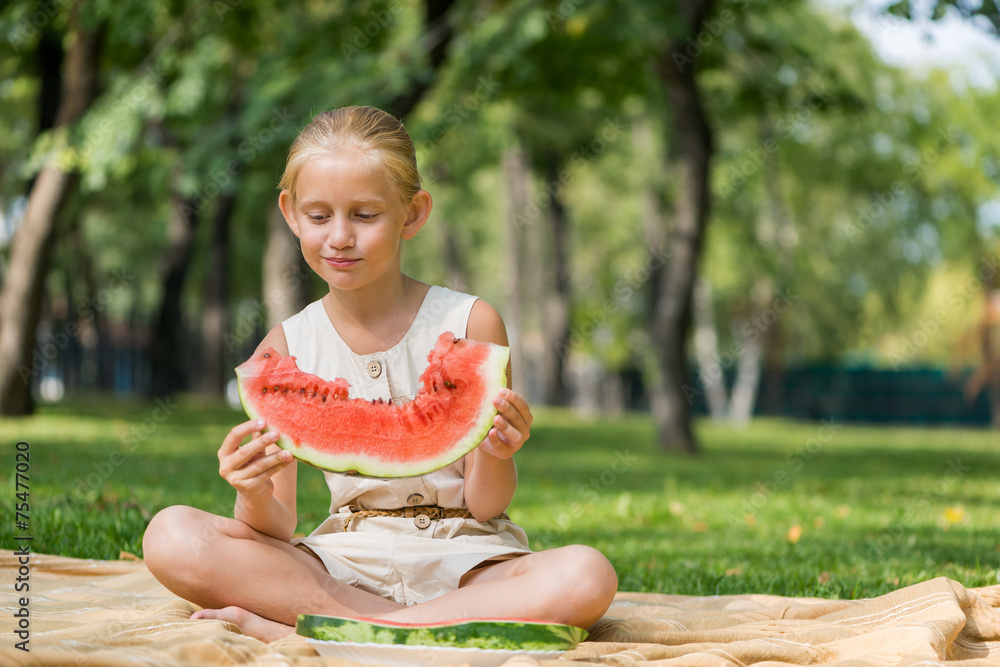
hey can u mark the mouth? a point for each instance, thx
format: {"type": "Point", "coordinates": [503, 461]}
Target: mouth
{"type": "Point", "coordinates": [340, 262]}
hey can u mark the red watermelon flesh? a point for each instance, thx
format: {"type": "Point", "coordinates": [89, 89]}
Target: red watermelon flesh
{"type": "Point", "coordinates": [321, 425]}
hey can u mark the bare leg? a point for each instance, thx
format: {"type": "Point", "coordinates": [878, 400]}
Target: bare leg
{"type": "Point", "coordinates": [242, 575]}
{"type": "Point", "coordinates": [574, 585]}
{"type": "Point", "coordinates": [261, 584]}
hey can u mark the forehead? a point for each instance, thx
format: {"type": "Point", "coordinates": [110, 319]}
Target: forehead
{"type": "Point", "coordinates": [342, 177]}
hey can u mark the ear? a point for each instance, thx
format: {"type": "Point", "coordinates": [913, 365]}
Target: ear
{"type": "Point", "coordinates": [288, 211]}
{"type": "Point", "coordinates": [420, 209]}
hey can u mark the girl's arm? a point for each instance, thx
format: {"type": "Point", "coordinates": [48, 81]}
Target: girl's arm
{"type": "Point", "coordinates": [263, 474]}
{"type": "Point", "coordinates": [490, 475]}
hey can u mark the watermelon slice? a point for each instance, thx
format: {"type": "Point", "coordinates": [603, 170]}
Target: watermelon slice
{"type": "Point", "coordinates": [481, 633]}
{"type": "Point", "coordinates": [321, 425]}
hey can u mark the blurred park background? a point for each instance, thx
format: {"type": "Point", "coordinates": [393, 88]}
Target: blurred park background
{"type": "Point", "coordinates": [765, 232]}
{"type": "Point", "coordinates": [730, 208]}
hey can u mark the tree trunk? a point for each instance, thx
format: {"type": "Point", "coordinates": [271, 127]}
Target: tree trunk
{"type": "Point", "coordinates": [689, 154]}
{"type": "Point", "coordinates": [438, 33]}
{"type": "Point", "coordinates": [515, 174]}
{"type": "Point", "coordinates": [24, 284]}
{"type": "Point", "coordinates": [213, 323]}
{"type": "Point", "coordinates": [706, 348]}
{"type": "Point", "coordinates": [166, 361]}
{"type": "Point", "coordinates": [557, 287]}
{"type": "Point", "coordinates": [286, 276]}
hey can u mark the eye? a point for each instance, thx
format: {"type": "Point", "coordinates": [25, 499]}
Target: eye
{"type": "Point", "coordinates": [367, 216]}
{"type": "Point", "coordinates": [316, 217]}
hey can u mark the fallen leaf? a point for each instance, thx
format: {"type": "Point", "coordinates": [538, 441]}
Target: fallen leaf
{"type": "Point", "coordinates": [794, 533]}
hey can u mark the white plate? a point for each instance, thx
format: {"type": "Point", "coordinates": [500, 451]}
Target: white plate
{"type": "Point", "coordinates": [422, 656]}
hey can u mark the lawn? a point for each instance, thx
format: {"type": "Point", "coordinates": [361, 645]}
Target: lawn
{"type": "Point", "coordinates": [803, 509]}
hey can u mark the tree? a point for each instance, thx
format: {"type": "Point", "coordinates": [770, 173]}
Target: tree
{"type": "Point", "coordinates": [20, 301]}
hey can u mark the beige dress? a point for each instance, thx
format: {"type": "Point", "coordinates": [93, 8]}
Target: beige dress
{"type": "Point", "coordinates": [392, 556]}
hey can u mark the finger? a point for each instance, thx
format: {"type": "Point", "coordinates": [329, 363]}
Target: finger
{"type": "Point", "coordinates": [498, 445]}
{"type": "Point", "coordinates": [265, 467]}
{"type": "Point", "coordinates": [507, 433]}
{"type": "Point", "coordinates": [253, 450]}
{"type": "Point", "coordinates": [237, 434]}
{"type": "Point", "coordinates": [519, 403]}
{"type": "Point", "coordinates": [514, 408]}
{"type": "Point", "coordinates": [511, 422]}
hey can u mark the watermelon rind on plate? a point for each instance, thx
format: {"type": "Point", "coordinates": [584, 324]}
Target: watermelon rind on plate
{"type": "Point", "coordinates": [487, 634]}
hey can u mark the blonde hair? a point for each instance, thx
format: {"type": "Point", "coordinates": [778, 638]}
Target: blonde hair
{"type": "Point", "coordinates": [377, 138]}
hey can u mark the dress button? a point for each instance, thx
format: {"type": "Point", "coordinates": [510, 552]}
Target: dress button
{"type": "Point", "coordinates": [421, 521]}
{"type": "Point", "coordinates": [374, 368]}
{"type": "Point", "coordinates": [414, 499]}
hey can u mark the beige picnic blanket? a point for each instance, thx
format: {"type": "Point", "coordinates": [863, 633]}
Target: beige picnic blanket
{"type": "Point", "coordinates": [87, 613]}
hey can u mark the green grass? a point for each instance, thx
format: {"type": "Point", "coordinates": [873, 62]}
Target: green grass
{"type": "Point", "coordinates": [878, 508]}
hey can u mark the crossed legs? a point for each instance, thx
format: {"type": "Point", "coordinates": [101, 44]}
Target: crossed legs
{"type": "Point", "coordinates": [261, 584]}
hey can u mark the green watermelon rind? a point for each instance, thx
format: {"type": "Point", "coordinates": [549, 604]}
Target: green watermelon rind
{"type": "Point", "coordinates": [494, 368]}
{"type": "Point", "coordinates": [489, 634]}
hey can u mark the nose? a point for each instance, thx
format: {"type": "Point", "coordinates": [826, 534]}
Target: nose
{"type": "Point", "coordinates": [340, 233]}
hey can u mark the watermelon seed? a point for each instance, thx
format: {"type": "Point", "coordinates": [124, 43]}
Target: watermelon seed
{"type": "Point", "coordinates": [324, 398]}
{"type": "Point", "coordinates": [449, 384]}
{"type": "Point", "coordinates": [264, 390]}
{"type": "Point", "coordinates": [267, 355]}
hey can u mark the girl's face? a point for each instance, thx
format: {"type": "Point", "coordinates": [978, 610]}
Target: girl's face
{"type": "Point", "coordinates": [351, 223]}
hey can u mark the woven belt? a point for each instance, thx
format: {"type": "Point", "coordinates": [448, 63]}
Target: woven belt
{"type": "Point", "coordinates": [422, 515]}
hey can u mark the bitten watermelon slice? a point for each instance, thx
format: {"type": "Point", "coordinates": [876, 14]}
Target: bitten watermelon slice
{"type": "Point", "coordinates": [321, 425]}
{"type": "Point", "coordinates": [481, 633]}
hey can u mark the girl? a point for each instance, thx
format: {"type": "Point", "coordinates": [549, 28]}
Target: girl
{"type": "Point", "coordinates": [351, 194]}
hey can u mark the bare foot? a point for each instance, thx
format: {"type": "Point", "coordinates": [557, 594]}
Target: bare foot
{"type": "Point", "coordinates": [249, 623]}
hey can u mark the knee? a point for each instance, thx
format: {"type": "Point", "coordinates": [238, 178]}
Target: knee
{"type": "Point", "coordinates": [176, 535]}
{"type": "Point", "coordinates": [589, 582]}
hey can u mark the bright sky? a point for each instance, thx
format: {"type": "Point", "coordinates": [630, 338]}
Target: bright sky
{"type": "Point", "coordinates": [952, 43]}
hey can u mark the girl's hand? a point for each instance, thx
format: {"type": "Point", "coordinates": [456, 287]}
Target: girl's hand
{"type": "Point", "coordinates": [511, 427]}
{"type": "Point", "coordinates": [249, 469]}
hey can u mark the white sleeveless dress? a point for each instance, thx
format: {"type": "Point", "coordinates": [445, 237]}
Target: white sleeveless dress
{"type": "Point", "coordinates": [391, 556]}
